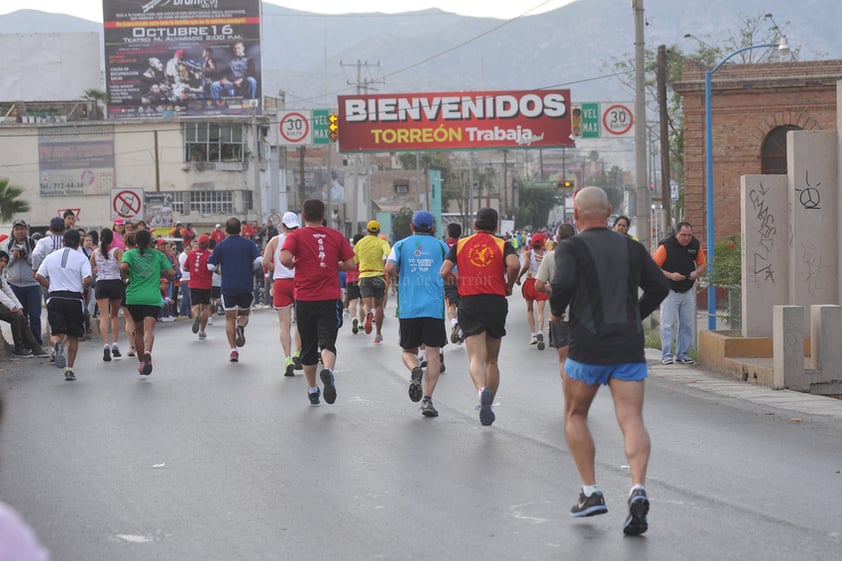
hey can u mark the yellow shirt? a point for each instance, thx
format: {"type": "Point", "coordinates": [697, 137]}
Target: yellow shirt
{"type": "Point", "coordinates": [371, 253]}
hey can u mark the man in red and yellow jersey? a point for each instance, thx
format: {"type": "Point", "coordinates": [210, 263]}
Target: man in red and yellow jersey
{"type": "Point", "coordinates": [487, 269]}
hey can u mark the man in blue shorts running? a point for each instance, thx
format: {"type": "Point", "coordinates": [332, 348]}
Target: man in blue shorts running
{"type": "Point", "coordinates": [598, 273]}
{"type": "Point", "coordinates": [239, 258]}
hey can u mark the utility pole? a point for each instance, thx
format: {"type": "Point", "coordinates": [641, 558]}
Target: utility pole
{"type": "Point", "coordinates": [642, 214]}
{"type": "Point", "coordinates": [665, 142]}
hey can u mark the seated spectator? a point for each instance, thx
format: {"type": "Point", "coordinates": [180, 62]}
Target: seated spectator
{"type": "Point", "coordinates": [11, 311]}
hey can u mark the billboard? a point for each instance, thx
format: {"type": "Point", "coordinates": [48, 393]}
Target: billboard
{"type": "Point", "coordinates": [66, 64]}
{"type": "Point", "coordinates": [185, 57]}
{"type": "Point", "coordinates": [454, 121]}
{"type": "Point", "coordinates": [75, 160]}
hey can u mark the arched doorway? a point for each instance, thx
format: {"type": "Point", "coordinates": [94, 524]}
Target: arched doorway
{"type": "Point", "coordinates": [773, 151]}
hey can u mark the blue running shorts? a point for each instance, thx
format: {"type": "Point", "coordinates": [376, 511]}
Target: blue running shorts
{"type": "Point", "coordinates": [601, 373]}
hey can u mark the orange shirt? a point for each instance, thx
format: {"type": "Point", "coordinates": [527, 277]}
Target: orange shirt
{"type": "Point", "coordinates": [481, 261]}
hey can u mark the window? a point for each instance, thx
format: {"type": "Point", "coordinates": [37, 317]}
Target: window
{"type": "Point", "coordinates": [211, 202]}
{"type": "Point", "coordinates": [773, 150]}
{"type": "Point", "coordinates": [175, 200]}
{"type": "Point", "coordinates": [401, 187]}
{"type": "Point", "coordinates": [214, 142]}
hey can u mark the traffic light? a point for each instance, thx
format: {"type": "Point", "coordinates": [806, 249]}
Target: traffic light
{"type": "Point", "coordinates": [333, 126]}
{"type": "Point", "coordinates": [576, 121]}
{"type": "Point", "coordinates": [566, 184]}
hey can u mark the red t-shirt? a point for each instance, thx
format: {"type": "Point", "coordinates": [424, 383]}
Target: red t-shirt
{"type": "Point", "coordinates": [353, 275]}
{"type": "Point", "coordinates": [217, 235]}
{"type": "Point", "coordinates": [481, 259]}
{"type": "Point", "coordinates": [317, 252]}
{"type": "Point", "coordinates": [197, 263]}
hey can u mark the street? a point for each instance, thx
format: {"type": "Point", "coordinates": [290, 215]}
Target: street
{"type": "Point", "coordinates": [212, 460]}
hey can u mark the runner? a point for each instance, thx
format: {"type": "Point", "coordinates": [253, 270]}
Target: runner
{"type": "Point", "coordinates": [416, 261]}
{"type": "Point", "coordinates": [451, 293]}
{"type": "Point", "coordinates": [488, 267]}
{"type": "Point", "coordinates": [66, 274]}
{"type": "Point", "coordinates": [371, 253]}
{"type": "Point", "coordinates": [200, 281]}
{"type": "Point", "coordinates": [353, 298]}
{"type": "Point", "coordinates": [600, 273]}
{"type": "Point", "coordinates": [238, 258]}
{"type": "Point", "coordinates": [143, 266]}
{"type": "Point", "coordinates": [317, 253]}
{"type": "Point", "coordinates": [109, 291]}
{"type": "Point", "coordinates": [283, 289]}
{"type": "Point", "coordinates": [532, 258]}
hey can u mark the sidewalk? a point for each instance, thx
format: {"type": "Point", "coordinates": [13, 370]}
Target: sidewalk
{"type": "Point", "coordinates": [712, 382]}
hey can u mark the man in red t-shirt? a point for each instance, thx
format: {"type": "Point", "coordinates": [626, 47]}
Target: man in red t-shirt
{"type": "Point", "coordinates": [217, 235]}
{"type": "Point", "coordinates": [201, 280]}
{"type": "Point", "coordinates": [487, 269]}
{"type": "Point", "coordinates": [317, 253]}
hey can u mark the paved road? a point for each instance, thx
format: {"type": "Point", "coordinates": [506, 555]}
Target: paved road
{"type": "Point", "coordinates": [217, 461]}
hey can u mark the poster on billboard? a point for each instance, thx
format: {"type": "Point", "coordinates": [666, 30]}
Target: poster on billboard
{"type": "Point", "coordinates": [182, 57]}
{"type": "Point", "coordinates": [75, 161]}
{"type": "Point", "coordinates": [454, 121]}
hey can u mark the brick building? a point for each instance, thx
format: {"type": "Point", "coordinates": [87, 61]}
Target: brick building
{"type": "Point", "coordinates": [753, 106]}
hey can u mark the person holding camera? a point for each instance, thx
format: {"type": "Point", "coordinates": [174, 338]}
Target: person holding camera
{"type": "Point", "coordinates": [21, 278]}
{"type": "Point", "coordinates": [682, 261]}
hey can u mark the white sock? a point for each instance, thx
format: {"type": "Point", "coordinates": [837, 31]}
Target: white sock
{"type": "Point", "coordinates": [638, 486]}
{"type": "Point", "coordinates": [589, 489]}
{"type": "Point", "coordinates": [314, 389]}
{"type": "Point", "coordinates": [453, 321]}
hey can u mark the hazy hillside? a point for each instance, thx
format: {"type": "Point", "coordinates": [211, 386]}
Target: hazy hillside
{"type": "Point", "coordinates": [574, 46]}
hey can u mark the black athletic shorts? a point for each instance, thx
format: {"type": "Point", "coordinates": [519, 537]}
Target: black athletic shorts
{"type": "Point", "coordinates": [318, 323]}
{"type": "Point", "coordinates": [238, 302]}
{"type": "Point", "coordinates": [427, 331]}
{"type": "Point", "coordinates": [66, 315]}
{"type": "Point", "coordinates": [452, 294]}
{"type": "Point", "coordinates": [483, 313]}
{"type": "Point", "coordinates": [141, 311]}
{"type": "Point", "coordinates": [559, 334]}
{"type": "Point", "coordinates": [200, 296]}
{"type": "Point", "coordinates": [353, 289]}
{"type": "Point", "coordinates": [373, 287]}
{"type": "Point", "coordinates": [113, 289]}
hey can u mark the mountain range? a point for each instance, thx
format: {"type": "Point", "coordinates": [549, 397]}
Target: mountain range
{"type": "Point", "coordinates": [313, 57]}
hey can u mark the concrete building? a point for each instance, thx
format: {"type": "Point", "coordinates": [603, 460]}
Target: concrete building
{"type": "Point", "coordinates": [753, 107]}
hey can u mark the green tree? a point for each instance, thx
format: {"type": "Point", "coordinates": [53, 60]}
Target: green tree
{"type": "Point", "coordinates": [401, 222]}
{"type": "Point", "coordinates": [534, 208]}
{"type": "Point", "coordinates": [10, 203]}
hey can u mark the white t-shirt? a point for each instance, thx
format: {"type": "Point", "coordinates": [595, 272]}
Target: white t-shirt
{"type": "Point", "coordinates": [280, 271]}
{"type": "Point", "coordinates": [66, 269]}
{"type": "Point", "coordinates": [185, 275]}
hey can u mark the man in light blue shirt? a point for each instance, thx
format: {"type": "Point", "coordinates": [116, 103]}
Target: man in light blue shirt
{"type": "Point", "coordinates": [416, 261]}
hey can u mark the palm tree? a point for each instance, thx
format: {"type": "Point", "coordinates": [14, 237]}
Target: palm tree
{"type": "Point", "coordinates": [100, 98]}
{"type": "Point", "coordinates": [10, 204]}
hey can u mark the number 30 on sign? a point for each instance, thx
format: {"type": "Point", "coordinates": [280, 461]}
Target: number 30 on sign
{"type": "Point", "coordinates": [294, 127]}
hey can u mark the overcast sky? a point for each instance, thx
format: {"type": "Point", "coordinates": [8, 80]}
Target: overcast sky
{"type": "Point", "coordinates": [92, 9]}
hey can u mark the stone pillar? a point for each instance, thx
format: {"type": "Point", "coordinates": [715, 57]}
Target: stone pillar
{"type": "Point", "coordinates": [765, 224]}
{"type": "Point", "coordinates": [787, 344]}
{"type": "Point", "coordinates": [825, 332]}
{"type": "Point", "coordinates": [813, 255]}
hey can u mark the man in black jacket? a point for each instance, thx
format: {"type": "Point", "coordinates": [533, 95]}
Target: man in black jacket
{"type": "Point", "coordinates": [682, 261]}
{"type": "Point", "coordinates": [598, 273]}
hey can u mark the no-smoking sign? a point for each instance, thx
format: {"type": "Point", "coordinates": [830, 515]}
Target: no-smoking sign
{"type": "Point", "coordinates": [617, 119]}
{"type": "Point", "coordinates": [126, 203]}
{"type": "Point", "coordinates": [294, 127]}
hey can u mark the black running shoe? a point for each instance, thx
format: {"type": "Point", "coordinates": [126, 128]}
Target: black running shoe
{"type": "Point", "coordinates": [441, 362]}
{"type": "Point", "coordinates": [106, 354]}
{"type": "Point", "coordinates": [455, 334]}
{"type": "Point", "coordinates": [486, 415]}
{"type": "Point", "coordinates": [296, 360]}
{"type": "Point", "coordinates": [355, 326]}
{"type": "Point", "coordinates": [115, 351]}
{"type": "Point", "coordinates": [427, 408]}
{"type": "Point", "coordinates": [415, 391]}
{"type": "Point", "coordinates": [241, 336]}
{"type": "Point", "coordinates": [196, 321]}
{"type": "Point", "coordinates": [638, 509]}
{"type": "Point", "coordinates": [147, 364]}
{"type": "Point", "coordinates": [330, 385]}
{"type": "Point", "coordinates": [589, 506]}
{"type": "Point", "coordinates": [314, 397]}
{"type": "Point", "coordinates": [540, 337]}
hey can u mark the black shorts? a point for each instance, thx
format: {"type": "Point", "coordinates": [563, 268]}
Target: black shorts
{"type": "Point", "coordinates": [353, 289]}
{"type": "Point", "coordinates": [483, 313]}
{"type": "Point", "coordinates": [215, 292]}
{"type": "Point", "coordinates": [200, 296]}
{"type": "Point", "coordinates": [112, 289]}
{"type": "Point", "coordinates": [66, 315]}
{"type": "Point", "coordinates": [141, 311]}
{"type": "Point", "coordinates": [415, 332]}
{"type": "Point", "coordinates": [238, 302]}
{"type": "Point", "coordinates": [451, 293]}
{"type": "Point", "coordinates": [559, 334]}
{"type": "Point", "coordinates": [318, 323]}
{"type": "Point", "coordinates": [373, 287]}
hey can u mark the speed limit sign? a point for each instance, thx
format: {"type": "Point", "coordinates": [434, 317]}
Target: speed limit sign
{"type": "Point", "coordinates": [294, 127]}
{"type": "Point", "coordinates": [617, 119]}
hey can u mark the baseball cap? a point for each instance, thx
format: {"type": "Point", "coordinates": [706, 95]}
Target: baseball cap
{"type": "Point", "coordinates": [373, 226]}
{"type": "Point", "coordinates": [57, 223]}
{"type": "Point", "coordinates": [162, 241]}
{"type": "Point", "coordinates": [218, 226]}
{"type": "Point", "coordinates": [204, 239]}
{"type": "Point", "coordinates": [422, 220]}
{"type": "Point", "coordinates": [19, 222]}
{"type": "Point", "coordinates": [178, 223]}
{"type": "Point", "coordinates": [290, 220]}
{"type": "Point", "coordinates": [487, 219]}
{"type": "Point", "coordinates": [537, 239]}
{"type": "Point", "coordinates": [118, 221]}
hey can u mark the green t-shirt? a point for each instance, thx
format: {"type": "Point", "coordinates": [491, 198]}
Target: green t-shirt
{"type": "Point", "coordinates": [144, 288]}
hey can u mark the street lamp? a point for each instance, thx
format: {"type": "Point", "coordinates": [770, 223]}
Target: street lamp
{"type": "Point", "coordinates": [783, 49]}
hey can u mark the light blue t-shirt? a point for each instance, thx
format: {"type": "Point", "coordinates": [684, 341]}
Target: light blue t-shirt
{"type": "Point", "coordinates": [420, 288]}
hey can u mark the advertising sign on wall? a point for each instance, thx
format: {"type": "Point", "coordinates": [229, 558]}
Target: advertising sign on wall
{"type": "Point", "coordinates": [75, 161]}
{"type": "Point", "coordinates": [454, 121]}
{"type": "Point", "coordinates": [186, 57]}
